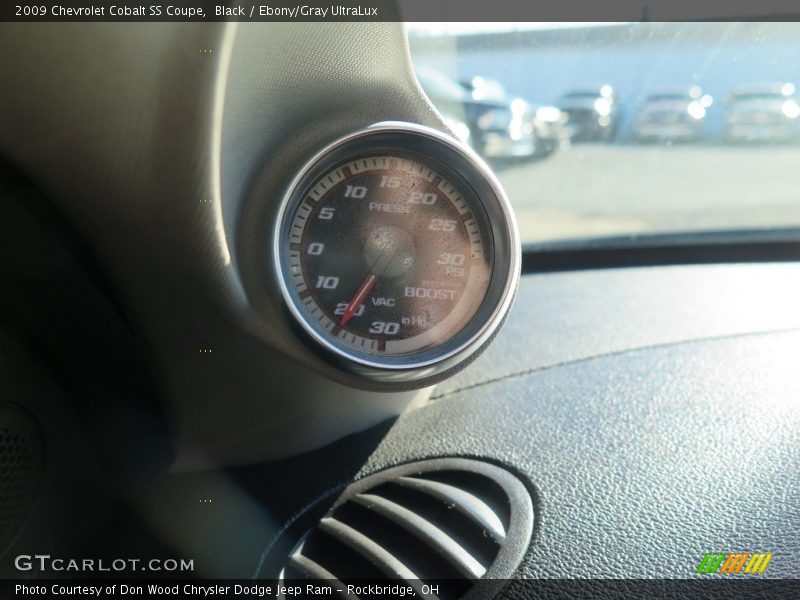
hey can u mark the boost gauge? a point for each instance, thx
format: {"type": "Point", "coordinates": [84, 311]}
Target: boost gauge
{"type": "Point", "coordinates": [397, 252]}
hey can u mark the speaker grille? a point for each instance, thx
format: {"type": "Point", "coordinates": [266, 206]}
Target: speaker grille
{"type": "Point", "coordinates": [20, 468]}
{"type": "Point", "coordinates": [448, 519]}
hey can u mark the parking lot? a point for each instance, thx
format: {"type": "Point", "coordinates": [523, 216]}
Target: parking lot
{"type": "Point", "coordinates": [597, 190]}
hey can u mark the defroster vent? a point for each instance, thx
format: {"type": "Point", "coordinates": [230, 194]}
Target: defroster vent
{"type": "Point", "coordinates": [453, 520]}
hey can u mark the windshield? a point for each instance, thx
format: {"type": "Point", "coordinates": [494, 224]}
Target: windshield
{"type": "Point", "coordinates": [765, 96]}
{"type": "Point", "coordinates": [438, 85]}
{"type": "Point", "coordinates": [660, 97]}
{"type": "Point", "coordinates": [581, 95]}
{"type": "Point", "coordinates": [616, 163]}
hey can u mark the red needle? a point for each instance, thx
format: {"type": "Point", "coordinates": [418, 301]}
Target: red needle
{"type": "Point", "coordinates": [358, 299]}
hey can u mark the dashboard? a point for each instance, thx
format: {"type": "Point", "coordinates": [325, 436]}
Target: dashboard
{"type": "Point", "coordinates": [665, 433]}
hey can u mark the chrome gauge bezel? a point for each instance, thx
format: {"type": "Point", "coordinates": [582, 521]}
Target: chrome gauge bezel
{"type": "Point", "coordinates": [468, 168]}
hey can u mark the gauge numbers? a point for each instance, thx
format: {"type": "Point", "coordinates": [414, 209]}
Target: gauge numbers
{"type": "Point", "coordinates": [397, 251]}
{"type": "Point", "coordinates": [387, 255]}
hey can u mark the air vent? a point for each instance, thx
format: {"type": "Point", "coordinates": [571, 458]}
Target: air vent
{"type": "Point", "coordinates": [457, 520]}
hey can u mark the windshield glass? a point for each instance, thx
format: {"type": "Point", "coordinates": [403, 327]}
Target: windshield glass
{"type": "Point", "coordinates": [658, 97]}
{"type": "Point", "coordinates": [626, 128]}
{"type": "Point", "coordinates": [748, 97]}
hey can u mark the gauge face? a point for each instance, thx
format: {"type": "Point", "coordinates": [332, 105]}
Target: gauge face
{"type": "Point", "coordinates": [386, 254]}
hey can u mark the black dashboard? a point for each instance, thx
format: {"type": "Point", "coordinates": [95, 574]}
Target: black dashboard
{"type": "Point", "coordinates": [654, 412]}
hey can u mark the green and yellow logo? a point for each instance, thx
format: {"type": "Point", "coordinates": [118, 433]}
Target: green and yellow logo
{"type": "Point", "coordinates": [730, 563]}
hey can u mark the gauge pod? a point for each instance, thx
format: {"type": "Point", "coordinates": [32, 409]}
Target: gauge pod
{"type": "Point", "coordinates": [397, 252]}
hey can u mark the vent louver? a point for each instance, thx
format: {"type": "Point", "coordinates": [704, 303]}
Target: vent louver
{"type": "Point", "coordinates": [447, 519]}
